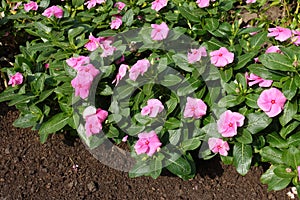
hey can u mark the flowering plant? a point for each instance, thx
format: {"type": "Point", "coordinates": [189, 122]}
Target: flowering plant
{"type": "Point", "coordinates": [172, 79]}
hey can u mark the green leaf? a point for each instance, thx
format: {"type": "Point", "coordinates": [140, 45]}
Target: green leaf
{"type": "Point", "coordinates": [172, 123]}
{"type": "Point", "coordinates": [190, 144]}
{"type": "Point", "coordinates": [55, 123]}
{"type": "Point", "coordinates": [181, 61]}
{"type": "Point", "coordinates": [289, 128]}
{"type": "Point", "coordinates": [135, 129]}
{"type": "Point", "coordinates": [275, 140]}
{"type": "Point", "coordinates": [156, 166]}
{"type": "Point", "coordinates": [21, 99]}
{"type": "Point", "coordinates": [139, 169]}
{"type": "Point", "coordinates": [211, 24]}
{"type": "Point", "coordinates": [289, 88]}
{"type": "Point", "coordinates": [281, 171]}
{"type": "Point", "coordinates": [171, 105]}
{"type": "Point", "coordinates": [290, 109]}
{"type": "Point", "coordinates": [189, 14]}
{"type": "Point", "coordinates": [9, 95]}
{"type": "Point", "coordinates": [128, 17]}
{"type": "Point", "coordinates": [244, 59]}
{"type": "Point", "coordinates": [257, 122]}
{"type": "Point", "coordinates": [265, 73]}
{"type": "Point", "coordinates": [274, 182]}
{"type": "Point", "coordinates": [271, 154]}
{"type": "Point", "coordinates": [174, 136]}
{"type": "Point", "coordinates": [242, 157]}
{"type": "Point", "coordinates": [251, 100]}
{"type": "Point", "coordinates": [226, 74]}
{"type": "Point", "coordinates": [77, 3]}
{"type": "Point", "coordinates": [28, 120]}
{"type": "Point", "coordinates": [245, 137]}
{"type": "Point", "coordinates": [294, 139]}
{"type": "Point", "coordinates": [257, 40]}
{"type": "Point", "coordinates": [178, 165]}
{"type": "Point", "coordinates": [230, 101]}
{"type": "Point", "coordinates": [72, 33]}
{"type": "Point", "coordinates": [291, 157]}
{"type": "Point", "coordinates": [170, 80]}
{"type": "Point", "coordinates": [277, 61]}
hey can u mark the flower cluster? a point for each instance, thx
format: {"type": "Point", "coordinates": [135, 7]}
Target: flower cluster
{"type": "Point", "coordinates": [93, 120]}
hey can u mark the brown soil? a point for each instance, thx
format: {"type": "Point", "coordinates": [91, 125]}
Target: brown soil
{"type": "Point", "coordinates": [30, 170]}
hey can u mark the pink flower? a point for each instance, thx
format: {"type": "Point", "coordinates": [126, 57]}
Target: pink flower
{"type": "Point", "coordinates": [94, 119]}
{"type": "Point", "coordinates": [221, 57]}
{"type": "Point", "coordinates": [76, 62]}
{"type": "Point", "coordinates": [122, 59]}
{"type": "Point", "coordinates": [280, 33]}
{"type": "Point", "coordinates": [53, 10]}
{"type": "Point", "coordinates": [254, 79]}
{"type": "Point", "coordinates": [122, 72]}
{"type": "Point", "coordinates": [228, 123]}
{"type": "Point", "coordinates": [47, 65]}
{"type": "Point", "coordinates": [160, 31]}
{"type": "Point", "coordinates": [159, 4]}
{"type": "Point", "coordinates": [298, 169]}
{"type": "Point", "coordinates": [93, 43]}
{"type": "Point", "coordinates": [92, 3]}
{"type": "Point", "coordinates": [124, 139]}
{"type": "Point", "coordinates": [202, 3]}
{"type": "Point", "coordinates": [271, 101]}
{"type": "Point", "coordinates": [195, 108]}
{"type": "Point", "coordinates": [120, 5]}
{"type": "Point", "coordinates": [196, 54]}
{"type": "Point", "coordinates": [107, 48]}
{"type": "Point", "coordinates": [16, 6]}
{"type": "Point", "coordinates": [88, 70]}
{"type": "Point", "coordinates": [116, 22]}
{"type": "Point", "coordinates": [296, 38]}
{"type": "Point", "coordinates": [148, 143]}
{"type": "Point", "coordinates": [16, 79]}
{"type": "Point", "coordinates": [250, 1]}
{"type": "Point", "coordinates": [82, 85]}
{"type": "Point", "coordinates": [273, 49]}
{"type": "Point", "coordinates": [30, 6]}
{"type": "Point", "coordinates": [153, 108]}
{"type": "Point", "coordinates": [217, 145]}
{"type": "Point", "coordinates": [140, 67]}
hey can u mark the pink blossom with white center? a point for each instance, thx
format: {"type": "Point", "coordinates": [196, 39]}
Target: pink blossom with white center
{"type": "Point", "coordinates": [296, 38]}
{"type": "Point", "coordinates": [250, 1]}
{"type": "Point", "coordinates": [121, 73]}
{"type": "Point", "coordinates": [153, 108]}
{"type": "Point", "coordinates": [196, 54]}
{"type": "Point", "coordinates": [81, 83]}
{"type": "Point", "coordinates": [254, 79]}
{"type": "Point", "coordinates": [228, 123]}
{"type": "Point", "coordinates": [202, 3]}
{"type": "Point", "coordinates": [273, 49]}
{"type": "Point", "coordinates": [221, 57]}
{"type": "Point", "coordinates": [217, 145]}
{"type": "Point", "coordinates": [116, 22]}
{"type": "Point", "coordinates": [16, 79]}
{"type": "Point", "coordinates": [53, 11]}
{"type": "Point", "coordinates": [120, 5]}
{"type": "Point", "coordinates": [92, 3]}
{"type": "Point", "coordinates": [280, 33]}
{"type": "Point", "coordinates": [160, 31]}
{"type": "Point", "coordinates": [148, 143]}
{"type": "Point", "coordinates": [195, 108]}
{"type": "Point", "coordinates": [93, 43]}
{"type": "Point", "coordinates": [139, 68]}
{"type": "Point", "coordinates": [76, 62]}
{"type": "Point", "coordinates": [159, 4]}
{"type": "Point", "coordinates": [271, 101]}
{"type": "Point", "coordinates": [30, 6]}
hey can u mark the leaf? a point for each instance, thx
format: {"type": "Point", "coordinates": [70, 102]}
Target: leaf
{"type": "Point", "coordinates": [281, 172]}
{"type": "Point", "coordinates": [277, 61]}
{"type": "Point", "coordinates": [128, 17]}
{"type": "Point", "coordinates": [171, 105]}
{"type": "Point", "coordinates": [77, 3]}
{"type": "Point", "coordinates": [72, 33]}
{"type": "Point", "coordinates": [211, 24]}
{"type": "Point", "coordinates": [271, 154]}
{"type": "Point", "coordinates": [251, 100]}
{"type": "Point", "coordinates": [274, 182]}
{"type": "Point", "coordinates": [290, 109]}
{"type": "Point", "coordinates": [28, 120]}
{"type": "Point", "coordinates": [275, 140]}
{"type": "Point", "coordinates": [289, 88]}
{"type": "Point", "coordinates": [139, 169]}
{"type": "Point", "coordinates": [291, 157]}
{"type": "Point", "coordinates": [289, 128]}
{"type": "Point", "coordinates": [172, 123]}
{"type": "Point", "coordinates": [257, 122]}
{"type": "Point", "coordinates": [190, 144]}
{"type": "Point", "coordinates": [257, 40]}
{"type": "Point", "coordinates": [174, 136]}
{"type": "Point", "coordinates": [189, 14]}
{"type": "Point", "coordinates": [244, 59]}
{"type": "Point", "coordinates": [156, 166]}
{"type": "Point", "coordinates": [181, 61]}
{"type": "Point", "coordinates": [170, 80]}
{"type": "Point", "coordinates": [294, 140]}
{"type": "Point", "coordinates": [54, 124]}
{"type": "Point", "coordinates": [21, 99]}
{"type": "Point", "coordinates": [178, 165]}
{"type": "Point", "coordinates": [242, 157]}
{"type": "Point", "coordinates": [265, 73]}
{"type": "Point", "coordinates": [226, 74]}
{"type": "Point", "coordinates": [245, 137]}
{"type": "Point", "coordinates": [230, 101]}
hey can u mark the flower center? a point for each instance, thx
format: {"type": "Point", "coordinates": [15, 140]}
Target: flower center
{"type": "Point", "coordinates": [230, 124]}
{"type": "Point", "coordinates": [273, 101]}
{"type": "Point", "coordinates": [220, 54]}
{"type": "Point", "coordinates": [146, 142]}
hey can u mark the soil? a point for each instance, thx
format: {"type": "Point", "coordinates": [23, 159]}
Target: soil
{"type": "Point", "coordinates": [31, 170]}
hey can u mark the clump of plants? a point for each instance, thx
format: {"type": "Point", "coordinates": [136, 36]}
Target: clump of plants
{"type": "Point", "coordinates": [171, 79]}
